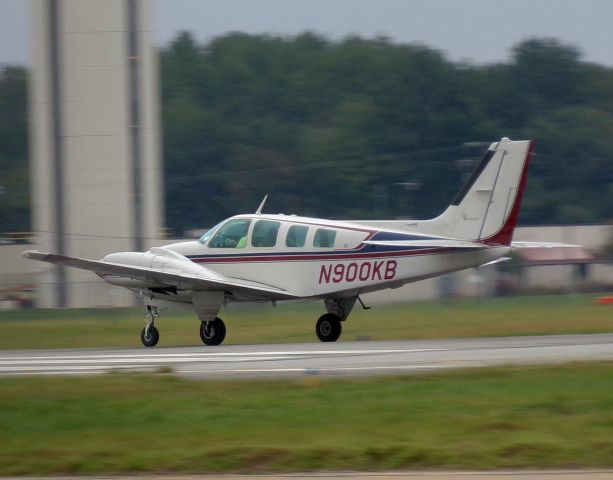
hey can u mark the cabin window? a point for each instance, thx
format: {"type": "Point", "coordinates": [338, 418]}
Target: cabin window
{"type": "Point", "coordinates": [296, 236]}
{"type": "Point", "coordinates": [324, 238]}
{"type": "Point", "coordinates": [265, 233]}
{"type": "Point", "coordinates": [232, 234]}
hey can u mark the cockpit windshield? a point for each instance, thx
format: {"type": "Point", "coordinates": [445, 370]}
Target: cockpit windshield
{"type": "Point", "coordinates": [232, 234]}
{"type": "Point", "coordinates": [208, 234]}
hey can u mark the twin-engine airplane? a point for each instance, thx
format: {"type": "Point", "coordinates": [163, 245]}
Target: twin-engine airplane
{"type": "Point", "coordinates": [261, 257]}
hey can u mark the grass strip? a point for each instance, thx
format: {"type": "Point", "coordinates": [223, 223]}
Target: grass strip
{"type": "Point", "coordinates": [294, 322]}
{"type": "Point", "coordinates": [513, 417]}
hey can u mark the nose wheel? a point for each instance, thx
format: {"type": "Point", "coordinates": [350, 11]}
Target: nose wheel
{"type": "Point", "coordinates": [150, 335]}
{"type": "Point", "coordinates": [213, 332]}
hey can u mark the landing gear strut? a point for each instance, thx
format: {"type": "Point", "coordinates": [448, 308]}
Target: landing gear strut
{"type": "Point", "coordinates": [213, 332]}
{"type": "Point", "coordinates": [150, 335]}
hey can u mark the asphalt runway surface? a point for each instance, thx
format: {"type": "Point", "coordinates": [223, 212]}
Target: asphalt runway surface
{"type": "Point", "coordinates": [323, 359]}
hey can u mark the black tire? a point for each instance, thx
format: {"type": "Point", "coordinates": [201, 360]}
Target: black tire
{"type": "Point", "coordinates": [214, 332]}
{"type": "Point", "coordinates": [328, 328]}
{"type": "Point", "coordinates": [150, 340]}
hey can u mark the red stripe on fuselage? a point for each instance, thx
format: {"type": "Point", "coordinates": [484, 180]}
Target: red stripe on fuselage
{"type": "Point", "coordinates": [331, 256]}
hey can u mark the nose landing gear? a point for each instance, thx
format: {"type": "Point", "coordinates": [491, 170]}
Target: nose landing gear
{"type": "Point", "coordinates": [150, 335]}
{"type": "Point", "coordinates": [212, 332]}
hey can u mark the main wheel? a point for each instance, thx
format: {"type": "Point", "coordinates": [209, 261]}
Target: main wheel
{"type": "Point", "coordinates": [328, 328]}
{"type": "Point", "coordinates": [150, 338]}
{"type": "Point", "coordinates": [213, 333]}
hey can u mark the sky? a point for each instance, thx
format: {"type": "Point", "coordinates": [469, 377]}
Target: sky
{"type": "Point", "coordinates": [478, 31]}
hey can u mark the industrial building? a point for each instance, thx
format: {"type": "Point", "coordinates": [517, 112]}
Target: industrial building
{"type": "Point", "coordinates": [94, 140]}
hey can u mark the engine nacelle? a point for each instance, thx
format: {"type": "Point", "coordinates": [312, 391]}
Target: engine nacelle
{"type": "Point", "coordinates": [158, 259]}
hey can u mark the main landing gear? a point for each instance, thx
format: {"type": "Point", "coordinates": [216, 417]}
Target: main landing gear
{"type": "Point", "coordinates": [329, 327]}
{"type": "Point", "coordinates": [212, 332]}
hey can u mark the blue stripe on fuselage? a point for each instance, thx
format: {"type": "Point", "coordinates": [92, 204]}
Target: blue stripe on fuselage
{"type": "Point", "coordinates": [392, 236]}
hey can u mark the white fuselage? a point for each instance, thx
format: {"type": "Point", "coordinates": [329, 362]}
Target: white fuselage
{"type": "Point", "coordinates": [342, 266]}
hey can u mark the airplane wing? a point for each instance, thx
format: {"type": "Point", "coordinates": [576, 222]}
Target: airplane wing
{"type": "Point", "coordinates": [207, 280]}
{"type": "Point", "coordinates": [432, 243]}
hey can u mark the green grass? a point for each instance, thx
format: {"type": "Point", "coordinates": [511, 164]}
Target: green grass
{"type": "Point", "coordinates": [294, 322]}
{"type": "Point", "coordinates": [514, 417]}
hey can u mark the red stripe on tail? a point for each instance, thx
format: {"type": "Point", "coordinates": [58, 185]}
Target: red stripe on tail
{"type": "Point", "coordinates": [504, 236]}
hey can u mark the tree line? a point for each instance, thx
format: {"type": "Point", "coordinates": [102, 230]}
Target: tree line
{"type": "Point", "coordinates": [358, 128]}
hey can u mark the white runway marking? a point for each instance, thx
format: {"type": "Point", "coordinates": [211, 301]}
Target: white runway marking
{"type": "Point", "coordinates": [342, 359]}
{"type": "Point", "coordinates": [226, 354]}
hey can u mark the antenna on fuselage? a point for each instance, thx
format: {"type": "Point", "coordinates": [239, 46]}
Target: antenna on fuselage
{"type": "Point", "coordinates": [259, 210]}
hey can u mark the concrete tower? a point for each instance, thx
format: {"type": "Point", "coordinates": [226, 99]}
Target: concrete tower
{"type": "Point", "coordinates": [95, 166]}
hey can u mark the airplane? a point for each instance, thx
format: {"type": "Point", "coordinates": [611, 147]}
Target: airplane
{"type": "Point", "coordinates": [260, 257]}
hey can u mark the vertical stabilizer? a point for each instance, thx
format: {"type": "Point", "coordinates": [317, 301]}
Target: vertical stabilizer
{"type": "Point", "coordinates": [487, 207]}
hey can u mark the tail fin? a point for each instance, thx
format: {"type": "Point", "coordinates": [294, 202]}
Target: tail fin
{"type": "Point", "coordinates": [487, 207]}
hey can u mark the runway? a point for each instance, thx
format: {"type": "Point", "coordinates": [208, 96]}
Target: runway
{"type": "Point", "coordinates": [296, 360]}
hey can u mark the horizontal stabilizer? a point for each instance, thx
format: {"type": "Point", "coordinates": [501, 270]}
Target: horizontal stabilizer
{"type": "Point", "coordinates": [494, 262]}
{"type": "Point", "coordinates": [542, 245]}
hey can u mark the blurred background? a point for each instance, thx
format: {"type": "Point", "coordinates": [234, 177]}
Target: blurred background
{"type": "Point", "coordinates": [131, 123]}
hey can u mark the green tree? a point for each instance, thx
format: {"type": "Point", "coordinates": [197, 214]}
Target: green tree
{"type": "Point", "coordinates": [340, 128]}
{"type": "Point", "coordinates": [573, 174]}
